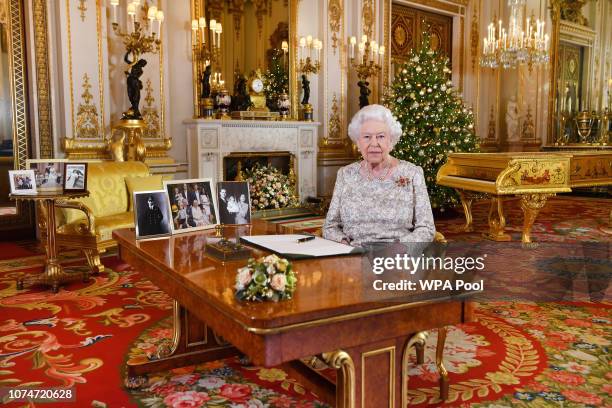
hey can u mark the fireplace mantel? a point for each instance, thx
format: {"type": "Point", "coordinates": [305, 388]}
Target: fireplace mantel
{"type": "Point", "coordinates": [209, 141]}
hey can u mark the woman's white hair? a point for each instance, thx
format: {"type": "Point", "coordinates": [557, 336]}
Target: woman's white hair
{"type": "Point", "coordinates": [378, 113]}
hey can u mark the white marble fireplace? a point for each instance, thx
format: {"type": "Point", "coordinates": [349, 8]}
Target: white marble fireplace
{"type": "Point", "coordinates": [209, 141]}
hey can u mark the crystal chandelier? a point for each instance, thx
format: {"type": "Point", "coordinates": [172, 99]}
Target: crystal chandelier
{"type": "Point", "coordinates": [523, 43]}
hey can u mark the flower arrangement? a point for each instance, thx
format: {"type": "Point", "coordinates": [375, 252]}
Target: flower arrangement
{"type": "Point", "coordinates": [270, 188]}
{"type": "Point", "coordinates": [267, 278]}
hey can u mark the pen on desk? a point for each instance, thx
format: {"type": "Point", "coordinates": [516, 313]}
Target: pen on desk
{"type": "Point", "coordinates": [305, 239]}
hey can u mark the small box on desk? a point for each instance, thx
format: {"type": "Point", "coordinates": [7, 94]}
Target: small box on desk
{"type": "Point", "coordinates": [225, 250]}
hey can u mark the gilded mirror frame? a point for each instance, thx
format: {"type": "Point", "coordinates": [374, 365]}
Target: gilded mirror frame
{"type": "Point", "coordinates": [196, 6]}
{"type": "Point", "coordinates": [19, 106]}
{"type": "Point", "coordinates": [555, 13]}
{"type": "Point", "coordinates": [567, 33]}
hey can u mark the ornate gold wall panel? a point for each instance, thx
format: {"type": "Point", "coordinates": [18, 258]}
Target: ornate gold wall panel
{"type": "Point", "coordinates": [85, 139]}
{"type": "Point", "coordinates": [367, 15]}
{"type": "Point", "coordinates": [475, 37]}
{"type": "Point", "coordinates": [335, 12]}
{"type": "Point", "coordinates": [87, 126]}
{"type": "Point", "coordinates": [43, 87]}
{"type": "Point", "coordinates": [96, 70]}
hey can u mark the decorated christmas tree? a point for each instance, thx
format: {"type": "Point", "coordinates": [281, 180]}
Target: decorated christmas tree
{"type": "Point", "coordinates": [276, 81]}
{"type": "Point", "coordinates": [434, 119]}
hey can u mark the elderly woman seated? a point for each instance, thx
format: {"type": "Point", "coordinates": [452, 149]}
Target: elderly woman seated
{"type": "Point", "coordinates": [381, 198]}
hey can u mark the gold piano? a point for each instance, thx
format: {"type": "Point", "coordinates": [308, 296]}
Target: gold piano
{"type": "Point", "coordinates": [534, 177]}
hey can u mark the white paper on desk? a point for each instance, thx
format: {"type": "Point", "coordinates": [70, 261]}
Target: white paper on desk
{"type": "Point", "coordinates": [287, 244]}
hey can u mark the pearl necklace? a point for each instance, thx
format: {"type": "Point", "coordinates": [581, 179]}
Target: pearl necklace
{"type": "Point", "coordinates": [380, 178]}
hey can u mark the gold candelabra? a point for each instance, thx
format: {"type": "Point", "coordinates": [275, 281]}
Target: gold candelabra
{"type": "Point", "coordinates": [206, 50]}
{"type": "Point", "coordinates": [309, 62]}
{"type": "Point", "coordinates": [309, 58]}
{"type": "Point", "coordinates": [139, 38]}
{"type": "Point", "coordinates": [369, 57]}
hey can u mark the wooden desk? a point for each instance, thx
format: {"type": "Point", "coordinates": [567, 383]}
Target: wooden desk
{"type": "Point", "coordinates": [331, 315]}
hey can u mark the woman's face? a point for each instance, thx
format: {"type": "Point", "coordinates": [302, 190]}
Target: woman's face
{"type": "Point", "coordinates": [232, 199]}
{"type": "Point", "coordinates": [242, 198]}
{"type": "Point", "coordinates": [374, 141]}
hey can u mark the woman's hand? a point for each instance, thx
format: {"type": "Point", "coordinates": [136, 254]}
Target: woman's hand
{"type": "Point", "coordinates": [345, 241]}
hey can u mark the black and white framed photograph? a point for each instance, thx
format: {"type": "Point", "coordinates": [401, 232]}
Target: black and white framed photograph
{"type": "Point", "coordinates": [22, 181]}
{"type": "Point", "coordinates": [234, 202]}
{"type": "Point", "coordinates": [75, 177]}
{"type": "Point", "coordinates": [49, 173]}
{"type": "Point", "coordinates": [151, 214]}
{"type": "Point", "coordinates": [192, 203]}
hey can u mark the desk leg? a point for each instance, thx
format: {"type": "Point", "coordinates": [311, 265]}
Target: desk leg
{"type": "Point", "coordinates": [440, 364]}
{"type": "Point", "coordinates": [193, 342]}
{"type": "Point", "coordinates": [531, 204]}
{"type": "Point", "coordinates": [497, 221]}
{"type": "Point", "coordinates": [369, 376]}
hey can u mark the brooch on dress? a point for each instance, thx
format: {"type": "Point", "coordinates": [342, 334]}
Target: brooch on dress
{"type": "Point", "coordinates": [402, 181]}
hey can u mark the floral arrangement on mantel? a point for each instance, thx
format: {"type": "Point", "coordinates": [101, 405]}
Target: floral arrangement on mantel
{"type": "Point", "coordinates": [267, 278]}
{"type": "Point", "coordinates": [270, 188]}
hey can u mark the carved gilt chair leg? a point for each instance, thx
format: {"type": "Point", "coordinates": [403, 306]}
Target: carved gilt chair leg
{"type": "Point", "coordinates": [440, 364]}
{"type": "Point", "coordinates": [531, 204]}
{"type": "Point", "coordinates": [466, 201]}
{"type": "Point", "coordinates": [497, 221]}
{"type": "Point", "coordinates": [93, 259]}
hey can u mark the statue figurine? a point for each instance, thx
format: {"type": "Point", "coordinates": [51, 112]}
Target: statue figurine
{"type": "Point", "coordinates": [306, 88]}
{"type": "Point", "coordinates": [241, 100]}
{"type": "Point", "coordinates": [116, 147]}
{"type": "Point", "coordinates": [134, 85]}
{"type": "Point", "coordinates": [512, 119]}
{"type": "Point", "coordinates": [206, 82]}
{"type": "Point", "coordinates": [364, 92]}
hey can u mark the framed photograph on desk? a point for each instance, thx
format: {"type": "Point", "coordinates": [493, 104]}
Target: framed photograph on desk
{"type": "Point", "coordinates": [49, 173]}
{"type": "Point", "coordinates": [151, 214]}
{"type": "Point", "coordinates": [234, 202]}
{"type": "Point", "coordinates": [192, 203]}
{"type": "Point", "coordinates": [22, 181]}
{"type": "Point", "coordinates": [75, 177]}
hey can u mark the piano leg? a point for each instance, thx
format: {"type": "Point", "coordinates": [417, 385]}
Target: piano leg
{"type": "Point", "coordinates": [497, 221]}
{"type": "Point", "coordinates": [531, 204]}
{"type": "Point", "coordinates": [466, 201]}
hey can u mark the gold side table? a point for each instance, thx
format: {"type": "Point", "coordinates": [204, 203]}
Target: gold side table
{"type": "Point", "coordinates": [54, 274]}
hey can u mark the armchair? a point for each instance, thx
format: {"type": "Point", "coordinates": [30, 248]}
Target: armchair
{"type": "Point", "coordinates": [88, 223]}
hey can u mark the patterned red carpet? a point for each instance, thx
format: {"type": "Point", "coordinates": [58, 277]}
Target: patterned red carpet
{"type": "Point", "coordinates": [516, 354]}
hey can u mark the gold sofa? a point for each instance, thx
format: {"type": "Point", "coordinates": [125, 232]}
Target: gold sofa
{"type": "Point", "coordinates": [88, 223]}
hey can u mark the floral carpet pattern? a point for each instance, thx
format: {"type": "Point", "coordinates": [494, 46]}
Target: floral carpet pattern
{"type": "Point", "coordinates": [558, 221]}
{"type": "Point", "coordinates": [516, 354]}
{"type": "Point", "coordinates": [230, 382]}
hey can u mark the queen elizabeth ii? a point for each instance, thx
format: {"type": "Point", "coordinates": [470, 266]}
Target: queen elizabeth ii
{"type": "Point", "coordinates": [380, 198]}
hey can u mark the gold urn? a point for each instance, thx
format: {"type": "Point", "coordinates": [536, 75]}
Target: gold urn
{"type": "Point", "coordinates": [584, 125]}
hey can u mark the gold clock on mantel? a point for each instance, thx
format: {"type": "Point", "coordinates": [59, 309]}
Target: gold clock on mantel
{"type": "Point", "coordinates": [255, 86]}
